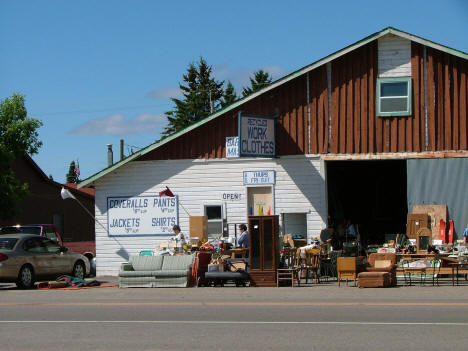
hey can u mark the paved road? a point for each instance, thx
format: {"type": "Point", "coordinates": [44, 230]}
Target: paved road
{"type": "Point", "coordinates": [316, 317]}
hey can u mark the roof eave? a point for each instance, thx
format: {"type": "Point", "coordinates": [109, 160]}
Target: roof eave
{"type": "Point", "coordinates": [293, 75]}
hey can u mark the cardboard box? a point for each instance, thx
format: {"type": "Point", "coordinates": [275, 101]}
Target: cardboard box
{"type": "Point", "coordinates": [198, 227]}
{"type": "Point", "coordinates": [237, 266]}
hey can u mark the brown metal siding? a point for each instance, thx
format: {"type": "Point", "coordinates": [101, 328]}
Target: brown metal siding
{"type": "Point", "coordinates": [209, 140]}
{"type": "Point", "coordinates": [318, 110]}
{"type": "Point", "coordinates": [447, 101]}
{"type": "Point", "coordinates": [354, 127]}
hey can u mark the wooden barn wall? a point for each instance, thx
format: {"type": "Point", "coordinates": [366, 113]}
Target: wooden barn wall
{"type": "Point", "coordinates": [447, 101]}
{"type": "Point", "coordinates": [209, 140]}
{"type": "Point", "coordinates": [354, 128]}
{"type": "Point", "coordinates": [319, 126]}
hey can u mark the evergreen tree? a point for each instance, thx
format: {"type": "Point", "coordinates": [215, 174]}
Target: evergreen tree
{"type": "Point", "coordinates": [199, 90]}
{"type": "Point", "coordinates": [230, 95]}
{"type": "Point", "coordinates": [260, 80]}
{"type": "Point", "coordinates": [71, 175]}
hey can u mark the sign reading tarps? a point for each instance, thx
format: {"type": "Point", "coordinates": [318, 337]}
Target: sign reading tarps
{"type": "Point", "coordinates": [259, 177]}
{"type": "Point", "coordinates": [257, 135]}
{"type": "Point", "coordinates": [142, 215]}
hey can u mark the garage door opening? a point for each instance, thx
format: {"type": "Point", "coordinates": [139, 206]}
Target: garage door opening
{"type": "Point", "coordinates": [369, 194]}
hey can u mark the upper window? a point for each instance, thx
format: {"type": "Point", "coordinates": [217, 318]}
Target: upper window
{"type": "Point", "coordinates": [394, 96]}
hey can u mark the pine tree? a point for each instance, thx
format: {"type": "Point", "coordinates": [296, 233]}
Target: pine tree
{"type": "Point", "coordinates": [260, 80]}
{"type": "Point", "coordinates": [230, 95]}
{"type": "Point", "coordinates": [200, 91]}
{"type": "Point", "coordinates": [71, 175]}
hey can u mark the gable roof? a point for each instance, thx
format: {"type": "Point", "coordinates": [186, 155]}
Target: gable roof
{"type": "Point", "coordinates": [281, 81]}
{"type": "Point", "coordinates": [28, 159]}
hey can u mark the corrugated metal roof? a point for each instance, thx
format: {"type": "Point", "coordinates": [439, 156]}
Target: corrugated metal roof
{"type": "Point", "coordinates": [283, 80]}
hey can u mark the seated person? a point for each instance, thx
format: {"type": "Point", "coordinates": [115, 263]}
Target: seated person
{"type": "Point", "coordinates": [243, 240]}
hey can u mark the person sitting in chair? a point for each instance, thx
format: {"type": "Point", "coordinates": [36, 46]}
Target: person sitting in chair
{"type": "Point", "coordinates": [243, 240]}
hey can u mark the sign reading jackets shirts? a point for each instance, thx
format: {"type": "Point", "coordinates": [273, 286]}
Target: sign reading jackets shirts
{"type": "Point", "coordinates": [141, 215]}
{"type": "Point", "coordinates": [257, 135]}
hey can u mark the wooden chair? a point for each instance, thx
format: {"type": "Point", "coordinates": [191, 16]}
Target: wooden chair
{"type": "Point", "coordinates": [346, 269]}
{"type": "Point", "coordinates": [312, 264]}
{"type": "Point", "coordinates": [291, 267]}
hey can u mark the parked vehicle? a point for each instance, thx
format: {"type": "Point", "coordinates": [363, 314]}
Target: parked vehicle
{"type": "Point", "coordinates": [26, 258]}
{"type": "Point", "coordinates": [86, 248]}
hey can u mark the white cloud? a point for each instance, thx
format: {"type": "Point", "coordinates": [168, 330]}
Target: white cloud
{"type": "Point", "coordinates": [165, 93]}
{"type": "Point", "coordinates": [118, 125]}
{"type": "Point", "coordinates": [275, 71]}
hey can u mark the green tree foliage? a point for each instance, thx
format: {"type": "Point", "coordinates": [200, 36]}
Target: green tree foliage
{"type": "Point", "coordinates": [71, 175]}
{"type": "Point", "coordinates": [18, 136]}
{"type": "Point", "coordinates": [199, 90]}
{"type": "Point", "coordinates": [260, 80]}
{"type": "Point", "coordinates": [230, 95]}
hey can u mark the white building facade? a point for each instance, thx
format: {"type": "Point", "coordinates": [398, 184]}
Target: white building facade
{"type": "Point", "coordinates": [298, 197]}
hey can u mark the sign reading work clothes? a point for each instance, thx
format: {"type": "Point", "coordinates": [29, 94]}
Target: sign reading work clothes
{"type": "Point", "coordinates": [259, 177]}
{"type": "Point", "coordinates": [141, 215]}
{"type": "Point", "coordinates": [257, 135]}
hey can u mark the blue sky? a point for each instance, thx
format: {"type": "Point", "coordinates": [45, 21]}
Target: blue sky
{"type": "Point", "coordinates": [96, 72]}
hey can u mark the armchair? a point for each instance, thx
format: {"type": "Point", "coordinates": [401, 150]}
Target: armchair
{"type": "Point", "coordinates": [383, 262]}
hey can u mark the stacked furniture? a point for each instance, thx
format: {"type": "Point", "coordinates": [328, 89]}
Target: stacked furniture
{"type": "Point", "coordinates": [156, 271]}
{"type": "Point", "coordinates": [377, 265]}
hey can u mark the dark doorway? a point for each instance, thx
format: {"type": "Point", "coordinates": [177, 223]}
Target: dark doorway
{"type": "Point", "coordinates": [371, 194]}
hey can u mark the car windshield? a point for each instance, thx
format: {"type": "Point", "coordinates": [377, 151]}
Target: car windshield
{"type": "Point", "coordinates": [7, 243]}
{"type": "Point", "coordinates": [19, 230]}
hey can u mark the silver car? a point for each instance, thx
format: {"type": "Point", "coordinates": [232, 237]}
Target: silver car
{"type": "Point", "coordinates": [26, 258]}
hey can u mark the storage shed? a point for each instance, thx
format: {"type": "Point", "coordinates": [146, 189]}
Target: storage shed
{"type": "Point", "coordinates": [362, 134]}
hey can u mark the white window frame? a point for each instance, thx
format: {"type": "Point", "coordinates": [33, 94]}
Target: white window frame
{"type": "Point", "coordinates": [221, 220]}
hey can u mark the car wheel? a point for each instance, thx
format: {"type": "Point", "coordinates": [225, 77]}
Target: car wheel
{"type": "Point", "coordinates": [79, 270]}
{"type": "Point", "coordinates": [25, 277]}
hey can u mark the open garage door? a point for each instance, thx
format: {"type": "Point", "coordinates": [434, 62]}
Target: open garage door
{"type": "Point", "coordinates": [371, 194]}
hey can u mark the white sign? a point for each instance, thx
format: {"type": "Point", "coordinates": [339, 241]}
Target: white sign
{"type": "Point", "coordinates": [259, 177]}
{"type": "Point", "coordinates": [232, 147]}
{"type": "Point", "coordinates": [142, 215]}
{"type": "Point", "coordinates": [232, 197]}
{"type": "Point", "coordinates": [257, 136]}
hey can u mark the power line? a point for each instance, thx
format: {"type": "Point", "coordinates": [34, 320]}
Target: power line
{"type": "Point", "coordinates": [100, 110]}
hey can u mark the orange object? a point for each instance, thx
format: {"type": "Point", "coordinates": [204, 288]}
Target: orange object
{"type": "Point", "coordinates": [442, 231]}
{"type": "Point", "coordinates": [450, 232]}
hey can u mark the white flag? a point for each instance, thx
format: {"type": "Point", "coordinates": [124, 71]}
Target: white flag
{"type": "Point", "coordinates": [66, 194]}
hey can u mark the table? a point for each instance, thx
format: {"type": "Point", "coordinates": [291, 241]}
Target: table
{"type": "Point", "coordinates": [456, 266]}
{"type": "Point", "coordinates": [415, 270]}
{"type": "Point", "coordinates": [236, 253]}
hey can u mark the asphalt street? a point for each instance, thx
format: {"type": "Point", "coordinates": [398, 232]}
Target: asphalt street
{"type": "Point", "coordinates": [325, 317]}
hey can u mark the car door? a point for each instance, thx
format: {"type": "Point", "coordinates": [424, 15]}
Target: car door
{"type": "Point", "coordinates": [58, 261]}
{"type": "Point", "coordinates": [37, 255]}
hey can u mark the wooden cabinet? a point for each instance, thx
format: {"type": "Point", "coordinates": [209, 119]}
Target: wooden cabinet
{"type": "Point", "coordinates": [263, 249]}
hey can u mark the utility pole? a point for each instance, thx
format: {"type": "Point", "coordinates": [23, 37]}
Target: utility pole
{"type": "Point", "coordinates": [211, 104]}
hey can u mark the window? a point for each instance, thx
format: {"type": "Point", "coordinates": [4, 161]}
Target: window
{"type": "Point", "coordinates": [50, 233]}
{"type": "Point", "coordinates": [215, 220]}
{"type": "Point", "coordinates": [7, 243]}
{"type": "Point", "coordinates": [394, 96]}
